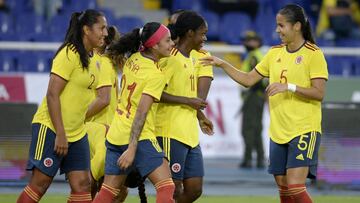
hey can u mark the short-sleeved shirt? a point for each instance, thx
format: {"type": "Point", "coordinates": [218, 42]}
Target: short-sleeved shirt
{"type": "Point", "coordinates": [141, 75]}
{"type": "Point", "coordinates": [292, 115]}
{"type": "Point", "coordinates": [179, 121]}
{"type": "Point", "coordinates": [107, 78]}
{"type": "Point", "coordinates": [202, 70]}
{"type": "Point", "coordinates": [77, 94]}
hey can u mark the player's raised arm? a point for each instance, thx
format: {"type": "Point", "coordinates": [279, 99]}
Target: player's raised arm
{"type": "Point", "coordinates": [243, 78]}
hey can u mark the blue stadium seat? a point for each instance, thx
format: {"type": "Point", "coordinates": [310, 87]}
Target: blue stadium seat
{"type": "Point", "coordinates": [31, 27]}
{"type": "Point", "coordinates": [79, 5]}
{"type": "Point", "coordinates": [265, 26]}
{"type": "Point", "coordinates": [348, 42]}
{"type": "Point", "coordinates": [340, 65]}
{"type": "Point", "coordinates": [7, 28]}
{"type": "Point", "coordinates": [58, 26]}
{"type": "Point", "coordinates": [357, 66]}
{"type": "Point", "coordinates": [128, 23]}
{"type": "Point", "coordinates": [34, 61]}
{"type": "Point", "coordinates": [7, 61]}
{"type": "Point", "coordinates": [195, 5]}
{"type": "Point", "coordinates": [213, 24]}
{"type": "Point", "coordinates": [109, 14]}
{"type": "Point", "coordinates": [233, 26]}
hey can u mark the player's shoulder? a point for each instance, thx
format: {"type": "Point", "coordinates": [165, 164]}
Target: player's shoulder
{"type": "Point", "coordinates": [311, 46]}
{"type": "Point", "coordinates": [68, 53]}
{"type": "Point", "coordinates": [200, 53]}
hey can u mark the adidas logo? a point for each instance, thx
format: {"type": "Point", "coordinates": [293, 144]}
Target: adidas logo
{"type": "Point", "coordinates": [300, 157]}
{"type": "Point", "coordinates": [279, 60]}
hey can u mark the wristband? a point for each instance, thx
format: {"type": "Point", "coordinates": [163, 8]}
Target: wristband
{"type": "Point", "coordinates": [291, 87]}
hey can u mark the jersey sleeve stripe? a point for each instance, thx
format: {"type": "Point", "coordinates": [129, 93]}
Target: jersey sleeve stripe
{"type": "Point", "coordinates": [260, 73]}
{"type": "Point", "coordinates": [59, 76]}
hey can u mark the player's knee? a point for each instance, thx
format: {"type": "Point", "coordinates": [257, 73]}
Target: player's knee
{"type": "Point", "coordinates": [81, 185]}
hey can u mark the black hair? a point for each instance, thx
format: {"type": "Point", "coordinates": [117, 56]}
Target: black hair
{"type": "Point", "coordinates": [130, 42]}
{"type": "Point", "coordinates": [187, 20]}
{"type": "Point", "coordinates": [113, 35]}
{"type": "Point", "coordinates": [295, 13]}
{"type": "Point", "coordinates": [179, 11]}
{"type": "Point", "coordinates": [74, 33]}
{"type": "Point", "coordinates": [133, 180]}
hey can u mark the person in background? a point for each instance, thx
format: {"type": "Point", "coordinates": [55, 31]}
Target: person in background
{"type": "Point", "coordinates": [339, 19]}
{"type": "Point", "coordinates": [297, 73]}
{"type": "Point", "coordinates": [59, 138]}
{"type": "Point", "coordinates": [253, 104]}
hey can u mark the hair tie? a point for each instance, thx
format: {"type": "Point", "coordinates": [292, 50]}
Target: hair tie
{"type": "Point", "coordinates": [81, 16]}
{"type": "Point", "coordinates": [141, 31]}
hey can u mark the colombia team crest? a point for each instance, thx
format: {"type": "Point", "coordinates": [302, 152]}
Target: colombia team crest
{"type": "Point", "coordinates": [298, 59]}
{"type": "Point", "coordinates": [176, 167]}
{"type": "Point", "coordinates": [48, 162]}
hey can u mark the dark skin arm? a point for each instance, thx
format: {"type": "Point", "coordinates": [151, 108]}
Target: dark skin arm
{"type": "Point", "coordinates": [127, 158]}
{"type": "Point", "coordinates": [206, 125]}
{"type": "Point", "coordinates": [195, 103]}
{"type": "Point", "coordinates": [56, 86]}
{"type": "Point", "coordinates": [102, 101]}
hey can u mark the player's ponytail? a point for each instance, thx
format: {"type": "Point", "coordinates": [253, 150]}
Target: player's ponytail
{"type": "Point", "coordinates": [132, 42]}
{"type": "Point", "coordinates": [142, 194]}
{"type": "Point", "coordinates": [74, 33]}
{"type": "Point", "coordinates": [295, 13]}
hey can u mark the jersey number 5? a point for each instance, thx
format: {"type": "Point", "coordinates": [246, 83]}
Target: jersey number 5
{"type": "Point", "coordinates": [131, 89]}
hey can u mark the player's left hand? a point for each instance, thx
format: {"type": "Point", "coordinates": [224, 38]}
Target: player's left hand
{"type": "Point", "coordinates": [206, 126]}
{"type": "Point", "coordinates": [276, 88]}
{"type": "Point", "coordinates": [126, 159]}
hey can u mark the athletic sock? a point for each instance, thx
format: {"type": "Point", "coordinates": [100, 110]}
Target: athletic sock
{"type": "Point", "coordinates": [80, 197]}
{"type": "Point", "coordinates": [165, 191]}
{"type": "Point", "coordinates": [106, 194]}
{"type": "Point", "coordinates": [299, 193]}
{"type": "Point", "coordinates": [29, 195]}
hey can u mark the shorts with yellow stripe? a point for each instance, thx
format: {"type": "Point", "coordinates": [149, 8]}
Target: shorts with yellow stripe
{"type": "Point", "coordinates": [301, 151]}
{"type": "Point", "coordinates": [148, 157]}
{"type": "Point", "coordinates": [43, 157]}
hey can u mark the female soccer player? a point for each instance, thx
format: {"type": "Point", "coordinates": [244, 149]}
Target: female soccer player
{"type": "Point", "coordinates": [131, 141]}
{"type": "Point", "coordinates": [177, 123]}
{"type": "Point", "coordinates": [298, 72]}
{"type": "Point", "coordinates": [58, 131]}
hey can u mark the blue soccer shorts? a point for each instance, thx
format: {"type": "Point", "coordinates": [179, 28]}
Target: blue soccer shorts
{"type": "Point", "coordinates": [299, 152]}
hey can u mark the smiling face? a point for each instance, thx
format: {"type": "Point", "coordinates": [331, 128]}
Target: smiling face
{"type": "Point", "coordinates": [164, 46]}
{"type": "Point", "coordinates": [199, 37]}
{"type": "Point", "coordinates": [96, 33]}
{"type": "Point", "coordinates": [287, 31]}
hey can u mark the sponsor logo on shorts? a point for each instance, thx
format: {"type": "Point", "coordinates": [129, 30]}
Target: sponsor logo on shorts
{"type": "Point", "coordinates": [176, 167]}
{"type": "Point", "coordinates": [48, 162]}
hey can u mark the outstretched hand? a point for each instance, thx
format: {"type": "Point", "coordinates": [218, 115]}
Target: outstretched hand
{"type": "Point", "coordinates": [211, 60]}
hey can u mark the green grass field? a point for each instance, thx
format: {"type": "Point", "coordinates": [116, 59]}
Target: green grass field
{"type": "Point", "coordinates": [10, 198]}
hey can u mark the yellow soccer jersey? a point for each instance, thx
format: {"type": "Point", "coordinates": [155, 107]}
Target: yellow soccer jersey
{"type": "Point", "coordinates": [201, 70]}
{"type": "Point", "coordinates": [108, 77]}
{"type": "Point", "coordinates": [140, 76]}
{"type": "Point", "coordinates": [173, 120]}
{"type": "Point", "coordinates": [77, 94]}
{"type": "Point", "coordinates": [292, 115]}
